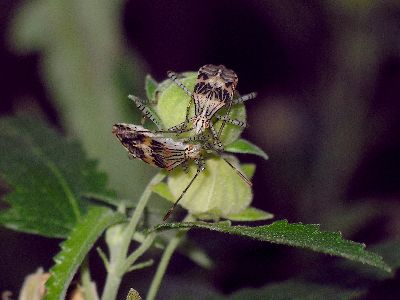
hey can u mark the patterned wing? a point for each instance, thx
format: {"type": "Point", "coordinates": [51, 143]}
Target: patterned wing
{"type": "Point", "coordinates": [168, 152]}
{"type": "Point", "coordinates": [214, 88]}
{"type": "Point", "coordinates": [151, 148]}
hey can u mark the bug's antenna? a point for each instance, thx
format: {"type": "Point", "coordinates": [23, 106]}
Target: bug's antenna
{"type": "Point", "coordinates": [169, 212]}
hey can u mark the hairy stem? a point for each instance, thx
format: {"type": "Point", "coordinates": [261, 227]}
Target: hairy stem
{"type": "Point", "coordinates": [89, 289]}
{"type": "Point", "coordinates": [118, 239]}
{"type": "Point", "coordinates": [165, 259]}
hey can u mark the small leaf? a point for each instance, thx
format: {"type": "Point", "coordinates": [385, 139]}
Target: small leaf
{"type": "Point", "coordinates": [245, 147]}
{"type": "Point", "coordinates": [47, 175]}
{"type": "Point", "coordinates": [150, 87]}
{"type": "Point", "coordinates": [196, 254]}
{"type": "Point", "coordinates": [251, 214]}
{"type": "Point", "coordinates": [248, 170]}
{"type": "Point", "coordinates": [298, 235]}
{"type": "Point", "coordinates": [76, 247]}
{"type": "Point", "coordinates": [163, 190]}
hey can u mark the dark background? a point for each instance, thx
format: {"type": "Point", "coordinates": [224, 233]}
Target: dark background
{"type": "Point", "coordinates": [327, 113]}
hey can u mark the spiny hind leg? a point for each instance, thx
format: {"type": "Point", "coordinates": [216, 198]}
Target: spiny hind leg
{"type": "Point", "coordinates": [217, 142]}
{"type": "Point", "coordinates": [232, 121]}
{"type": "Point", "coordinates": [200, 167]}
{"type": "Point", "coordinates": [244, 98]}
{"type": "Point", "coordinates": [178, 129]}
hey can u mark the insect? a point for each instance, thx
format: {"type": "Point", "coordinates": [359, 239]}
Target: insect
{"type": "Point", "coordinates": [214, 89]}
{"type": "Point", "coordinates": [164, 152]}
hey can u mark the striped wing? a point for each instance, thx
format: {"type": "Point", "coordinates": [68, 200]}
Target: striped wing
{"type": "Point", "coordinates": [151, 148]}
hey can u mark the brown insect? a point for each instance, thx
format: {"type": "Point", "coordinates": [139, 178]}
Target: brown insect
{"type": "Point", "coordinates": [164, 152]}
{"type": "Point", "coordinates": [214, 89]}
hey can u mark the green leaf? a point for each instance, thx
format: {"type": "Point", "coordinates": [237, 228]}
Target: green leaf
{"type": "Point", "coordinates": [80, 70]}
{"type": "Point", "coordinates": [298, 235]}
{"type": "Point", "coordinates": [293, 289]}
{"type": "Point", "coordinates": [47, 174]}
{"type": "Point", "coordinates": [245, 147]}
{"type": "Point", "coordinates": [196, 254]}
{"type": "Point", "coordinates": [251, 214]}
{"type": "Point", "coordinates": [75, 248]}
{"type": "Point", "coordinates": [391, 254]}
{"type": "Point", "coordinates": [248, 170]}
{"type": "Point", "coordinates": [163, 190]}
{"type": "Point", "coordinates": [150, 87]}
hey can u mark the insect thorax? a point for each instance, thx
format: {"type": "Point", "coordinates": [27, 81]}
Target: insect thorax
{"type": "Point", "coordinates": [193, 151]}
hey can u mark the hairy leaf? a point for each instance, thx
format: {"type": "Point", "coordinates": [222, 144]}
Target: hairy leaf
{"type": "Point", "coordinates": [75, 248]}
{"type": "Point", "coordinates": [299, 235]}
{"type": "Point", "coordinates": [391, 254]}
{"type": "Point", "coordinates": [244, 146]}
{"type": "Point", "coordinates": [47, 174]}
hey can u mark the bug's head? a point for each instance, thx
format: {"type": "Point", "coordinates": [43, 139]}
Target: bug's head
{"type": "Point", "coordinates": [200, 124]}
{"type": "Point", "coordinates": [118, 128]}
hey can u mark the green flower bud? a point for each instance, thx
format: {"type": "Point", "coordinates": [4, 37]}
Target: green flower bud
{"type": "Point", "coordinates": [218, 189]}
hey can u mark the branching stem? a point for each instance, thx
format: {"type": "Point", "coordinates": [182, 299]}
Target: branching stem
{"type": "Point", "coordinates": [118, 239]}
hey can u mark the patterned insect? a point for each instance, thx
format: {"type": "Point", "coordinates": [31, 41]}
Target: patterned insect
{"type": "Point", "coordinates": [164, 152]}
{"type": "Point", "coordinates": [214, 89]}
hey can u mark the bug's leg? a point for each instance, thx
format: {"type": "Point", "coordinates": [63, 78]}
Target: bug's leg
{"type": "Point", "coordinates": [169, 212]}
{"type": "Point", "coordinates": [201, 137]}
{"type": "Point", "coordinates": [146, 110]}
{"type": "Point", "coordinates": [244, 98]}
{"type": "Point", "coordinates": [177, 129]}
{"type": "Point", "coordinates": [245, 179]}
{"type": "Point", "coordinates": [217, 142]}
{"type": "Point", "coordinates": [174, 77]}
{"type": "Point", "coordinates": [232, 121]}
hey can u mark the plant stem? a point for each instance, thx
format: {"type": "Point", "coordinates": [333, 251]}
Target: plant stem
{"type": "Point", "coordinates": [89, 289]}
{"type": "Point", "coordinates": [166, 257]}
{"type": "Point", "coordinates": [118, 239]}
{"type": "Point", "coordinates": [139, 251]}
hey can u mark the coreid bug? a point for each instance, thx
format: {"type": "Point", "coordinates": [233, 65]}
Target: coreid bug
{"type": "Point", "coordinates": [164, 152]}
{"type": "Point", "coordinates": [214, 89]}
